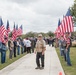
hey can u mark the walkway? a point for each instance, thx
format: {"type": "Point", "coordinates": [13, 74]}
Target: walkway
{"type": "Point", "coordinates": [26, 65]}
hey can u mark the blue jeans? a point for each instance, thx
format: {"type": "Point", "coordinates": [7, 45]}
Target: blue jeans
{"type": "Point", "coordinates": [3, 56]}
{"type": "Point", "coordinates": [61, 53]}
{"type": "Point", "coordinates": [68, 57]}
{"type": "Point", "coordinates": [18, 50]}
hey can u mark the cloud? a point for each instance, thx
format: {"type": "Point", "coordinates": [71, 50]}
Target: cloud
{"type": "Point", "coordinates": [25, 2]}
{"type": "Point", "coordinates": [35, 15]}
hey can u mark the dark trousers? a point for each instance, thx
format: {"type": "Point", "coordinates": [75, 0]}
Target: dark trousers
{"type": "Point", "coordinates": [52, 44]}
{"type": "Point", "coordinates": [40, 56]}
{"type": "Point", "coordinates": [24, 48]}
{"type": "Point", "coordinates": [14, 51]}
{"type": "Point", "coordinates": [3, 56]}
{"type": "Point", "coordinates": [10, 54]}
{"type": "Point", "coordinates": [28, 49]}
{"type": "Point", "coordinates": [32, 47]}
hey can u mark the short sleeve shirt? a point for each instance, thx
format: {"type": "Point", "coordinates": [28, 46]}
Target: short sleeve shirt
{"type": "Point", "coordinates": [67, 40]}
{"type": "Point", "coordinates": [40, 45]}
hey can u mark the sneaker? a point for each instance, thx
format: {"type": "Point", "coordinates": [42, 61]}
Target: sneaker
{"type": "Point", "coordinates": [37, 68]}
{"type": "Point", "coordinates": [41, 68]}
{"type": "Point", "coordinates": [69, 64]}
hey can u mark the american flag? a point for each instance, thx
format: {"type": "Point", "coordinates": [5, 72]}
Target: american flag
{"type": "Point", "coordinates": [57, 32]}
{"type": "Point", "coordinates": [17, 30]}
{"type": "Point", "coordinates": [7, 30]}
{"type": "Point", "coordinates": [14, 35]}
{"type": "Point", "coordinates": [66, 24]}
{"type": "Point", "coordinates": [2, 31]}
{"type": "Point", "coordinates": [20, 30]}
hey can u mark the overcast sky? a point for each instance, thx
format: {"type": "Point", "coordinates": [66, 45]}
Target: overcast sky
{"type": "Point", "coordinates": [34, 15]}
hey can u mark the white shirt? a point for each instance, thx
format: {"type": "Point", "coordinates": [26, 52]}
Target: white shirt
{"type": "Point", "coordinates": [28, 43]}
{"type": "Point", "coordinates": [24, 41]}
{"type": "Point", "coordinates": [18, 44]}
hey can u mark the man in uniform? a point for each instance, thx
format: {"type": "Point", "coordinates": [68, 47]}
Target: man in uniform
{"type": "Point", "coordinates": [40, 51]}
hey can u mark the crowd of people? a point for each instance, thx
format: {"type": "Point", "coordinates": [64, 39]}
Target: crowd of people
{"type": "Point", "coordinates": [17, 47]}
{"type": "Point", "coordinates": [64, 46]}
{"type": "Point", "coordinates": [27, 45]}
{"type": "Point", "coordinates": [20, 46]}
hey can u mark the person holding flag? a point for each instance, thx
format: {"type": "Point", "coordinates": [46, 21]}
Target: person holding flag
{"type": "Point", "coordinates": [14, 35]}
{"type": "Point", "coordinates": [3, 39]}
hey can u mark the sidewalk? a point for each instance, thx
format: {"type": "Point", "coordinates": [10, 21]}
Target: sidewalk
{"type": "Point", "coordinates": [26, 65]}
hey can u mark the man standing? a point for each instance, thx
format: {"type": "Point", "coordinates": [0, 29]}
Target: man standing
{"type": "Point", "coordinates": [18, 46]}
{"type": "Point", "coordinates": [22, 46]}
{"type": "Point", "coordinates": [68, 42]}
{"type": "Point", "coordinates": [24, 41]}
{"type": "Point", "coordinates": [15, 45]}
{"type": "Point", "coordinates": [28, 45]}
{"type": "Point", "coordinates": [32, 44]}
{"type": "Point", "coordinates": [40, 51]}
{"type": "Point", "coordinates": [11, 45]}
{"type": "Point", "coordinates": [3, 50]}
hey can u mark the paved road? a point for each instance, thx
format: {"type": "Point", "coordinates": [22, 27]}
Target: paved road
{"type": "Point", "coordinates": [26, 65]}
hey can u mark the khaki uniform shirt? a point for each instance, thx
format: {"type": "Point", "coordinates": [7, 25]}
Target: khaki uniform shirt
{"type": "Point", "coordinates": [40, 46]}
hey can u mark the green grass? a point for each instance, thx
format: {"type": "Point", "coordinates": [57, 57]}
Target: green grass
{"type": "Point", "coordinates": [67, 69]}
{"type": "Point", "coordinates": [8, 61]}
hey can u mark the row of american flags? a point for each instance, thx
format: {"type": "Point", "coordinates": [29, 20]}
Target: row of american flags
{"type": "Point", "coordinates": [4, 31]}
{"type": "Point", "coordinates": [66, 25]}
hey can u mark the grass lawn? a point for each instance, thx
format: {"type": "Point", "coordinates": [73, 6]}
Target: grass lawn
{"type": "Point", "coordinates": [8, 61]}
{"type": "Point", "coordinates": [69, 70]}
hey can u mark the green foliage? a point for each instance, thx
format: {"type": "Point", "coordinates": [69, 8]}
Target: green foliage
{"type": "Point", "coordinates": [74, 34]}
{"type": "Point", "coordinates": [31, 34]}
{"type": "Point", "coordinates": [73, 11]}
{"type": "Point", "coordinates": [35, 34]}
{"type": "Point", "coordinates": [44, 34]}
{"type": "Point", "coordinates": [50, 33]}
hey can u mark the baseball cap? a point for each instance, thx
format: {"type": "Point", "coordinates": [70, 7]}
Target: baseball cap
{"type": "Point", "coordinates": [40, 35]}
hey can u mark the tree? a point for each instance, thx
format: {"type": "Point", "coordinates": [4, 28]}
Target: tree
{"type": "Point", "coordinates": [35, 34]}
{"type": "Point", "coordinates": [73, 11]}
{"type": "Point", "coordinates": [31, 34]}
{"type": "Point", "coordinates": [50, 33]}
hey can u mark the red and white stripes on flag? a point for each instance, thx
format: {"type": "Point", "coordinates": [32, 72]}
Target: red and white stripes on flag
{"type": "Point", "coordinates": [7, 33]}
{"type": "Point", "coordinates": [19, 32]}
{"type": "Point", "coordinates": [66, 25]}
{"type": "Point", "coordinates": [2, 33]}
{"type": "Point", "coordinates": [14, 35]}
